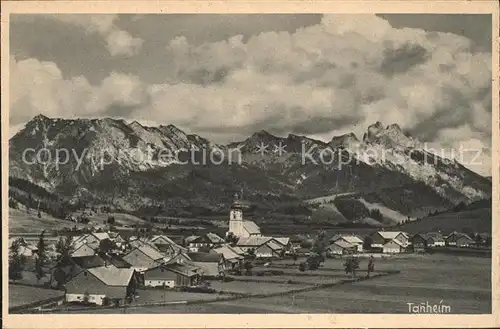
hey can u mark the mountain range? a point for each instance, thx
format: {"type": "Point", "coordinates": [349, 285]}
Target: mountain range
{"type": "Point", "coordinates": [137, 168]}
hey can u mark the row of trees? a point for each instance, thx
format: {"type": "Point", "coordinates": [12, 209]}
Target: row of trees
{"type": "Point", "coordinates": [17, 261]}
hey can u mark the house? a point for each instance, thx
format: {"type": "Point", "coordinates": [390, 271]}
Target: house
{"type": "Point", "coordinates": [89, 261]}
{"type": "Point", "coordinates": [180, 257]}
{"type": "Point", "coordinates": [270, 249]}
{"type": "Point", "coordinates": [483, 239]}
{"type": "Point", "coordinates": [380, 238]}
{"type": "Point", "coordinates": [204, 242]}
{"type": "Point", "coordinates": [458, 239]}
{"type": "Point", "coordinates": [93, 239]}
{"type": "Point", "coordinates": [83, 250]}
{"type": "Point", "coordinates": [261, 246]}
{"type": "Point", "coordinates": [211, 263]}
{"type": "Point", "coordinates": [253, 242]}
{"type": "Point", "coordinates": [284, 241]}
{"type": "Point", "coordinates": [341, 247]}
{"type": "Point", "coordinates": [232, 258]}
{"type": "Point", "coordinates": [95, 285]}
{"type": "Point", "coordinates": [350, 239]}
{"type": "Point", "coordinates": [28, 250]}
{"type": "Point", "coordinates": [62, 273]}
{"type": "Point", "coordinates": [421, 241]}
{"type": "Point", "coordinates": [165, 244]}
{"type": "Point", "coordinates": [172, 275]}
{"type": "Point", "coordinates": [394, 246]}
{"type": "Point", "coordinates": [116, 238]}
{"type": "Point", "coordinates": [143, 258]}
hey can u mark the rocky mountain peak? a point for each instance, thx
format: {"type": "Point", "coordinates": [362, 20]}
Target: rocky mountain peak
{"type": "Point", "coordinates": [345, 140]}
{"type": "Point", "coordinates": [392, 136]}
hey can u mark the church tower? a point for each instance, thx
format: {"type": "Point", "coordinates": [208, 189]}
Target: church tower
{"type": "Point", "coordinates": [236, 217]}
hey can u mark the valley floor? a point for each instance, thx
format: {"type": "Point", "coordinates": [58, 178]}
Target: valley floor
{"type": "Point", "coordinates": [463, 283]}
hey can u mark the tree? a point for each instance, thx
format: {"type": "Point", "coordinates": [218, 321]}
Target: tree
{"type": "Point", "coordinates": [231, 238]}
{"type": "Point", "coordinates": [41, 258]}
{"type": "Point", "coordinates": [371, 266]}
{"type": "Point", "coordinates": [367, 243]}
{"type": "Point", "coordinates": [302, 267]}
{"type": "Point", "coordinates": [251, 253]}
{"type": "Point", "coordinates": [111, 220]}
{"type": "Point", "coordinates": [13, 204]}
{"type": "Point", "coordinates": [64, 249]}
{"type": "Point", "coordinates": [16, 261]}
{"type": "Point", "coordinates": [248, 267]}
{"type": "Point", "coordinates": [351, 265]}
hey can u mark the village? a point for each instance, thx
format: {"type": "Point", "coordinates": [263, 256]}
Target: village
{"type": "Point", "coordinates": [105, 269]}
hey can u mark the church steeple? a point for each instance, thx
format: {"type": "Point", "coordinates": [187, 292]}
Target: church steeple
{"type": "Point", "coordinates": [236, 216]}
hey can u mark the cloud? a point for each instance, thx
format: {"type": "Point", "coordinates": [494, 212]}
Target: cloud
{"type": "Point", "coordinates": [347, 71]}
{"type": "Point", "coordinates": [39, 87]}
{"type": "Point", "coordinates": [118, 42]}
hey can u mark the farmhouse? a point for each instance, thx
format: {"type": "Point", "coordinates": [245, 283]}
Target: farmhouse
{"type": "Point", "coordinates": [421, 241]}
{"type": "Point", "coordinates": [116, 238]}
{"type": "Point", "coordinates": [350, 239]}
{"type": "Point", "coordinates": [143, 258]}
{"type": "Point", "coordinates": [380, 238]}
{"type": "Point", "coordinates": [172, 275]}
{"type": "Point", "coordinates": [256, 244]}
{"type": "Point", "coordinates": [231, 257]}
{"type": "Point", "coordinates": [284, 241]}
{"type": "Point", "coordinates": [93, 240]}
{"type": "Point", "coordinates": [180, 258]}
{"type": "Point", "coordinates": [459, 239]}
{"type": "Point", "coordinates": [341, 247]}
{"type": "Point", "coordinates": [394, 247]}
{"type": "Point", "coordinates": [28, 250]}
{"type": "Point", "coordinates": [204, 242]}
{"type": "Point", "coordinates": [97, 284]}
{"type": "Point", "coordinates": [165, 244]}
{"type": "Point", "coordinates": [211, 263]}
{"type": "Point", "coordinates": [270, 249]}
{"type": "Point", "coordinates": [84, 250]}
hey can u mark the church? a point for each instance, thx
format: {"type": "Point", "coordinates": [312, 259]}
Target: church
{"type": "Point", "coordinates": [249, 234]}
{"type": "Point", "coordinates": [237, 225]}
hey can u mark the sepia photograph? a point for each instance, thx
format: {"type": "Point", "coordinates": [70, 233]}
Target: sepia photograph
{"type": "Point", "coordinates": [249, 163]}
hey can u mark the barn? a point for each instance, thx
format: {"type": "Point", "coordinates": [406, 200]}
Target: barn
{"type": "Point", "coordinates": [172, 275]}
{"type": "Point", "coordinates": [98, 284]}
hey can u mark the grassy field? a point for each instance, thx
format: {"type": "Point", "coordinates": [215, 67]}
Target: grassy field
{"type": "Point", "coordinates": [464, 283]}
{"type": "Point", "coordinates": [478, 220]}
{"type": "Point", "coordinates": [21, 295]}
{"type": "Point", "coordinates": [244, 287]}
{"type": "Point", "coordinates": [22, 222]}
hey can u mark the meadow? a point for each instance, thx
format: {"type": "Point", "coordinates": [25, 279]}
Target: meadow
{"type": "Point", "coordinates": [463, 283]}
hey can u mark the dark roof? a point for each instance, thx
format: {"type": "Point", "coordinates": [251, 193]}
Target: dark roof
{"type": "Point", "coordinates": [207, 257]}
{"type": "Point", "coordinates": [115, 260]}
{"type": "Point", "coordinates": [459, 235]}
{"type": "Point", "coordinates": [89, 261]}
{"type": "Point", "coordinates": [184, 269]}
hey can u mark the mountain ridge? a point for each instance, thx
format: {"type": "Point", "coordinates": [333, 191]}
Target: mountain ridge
{"type": "Point", "coordinates": [105, 167]}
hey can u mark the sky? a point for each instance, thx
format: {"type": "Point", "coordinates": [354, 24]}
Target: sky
{"type": "Point", "coordinates": [226, 76]}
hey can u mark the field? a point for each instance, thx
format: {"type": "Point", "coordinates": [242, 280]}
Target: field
{"type": "Point", "coordinates": [22, 222]}
{"type": "Point", "coordinates": [478, 220]}
{"type": "Point", "coordinates": [21, 295]}
{"type": "Point", "coordinates": [463, 283]}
